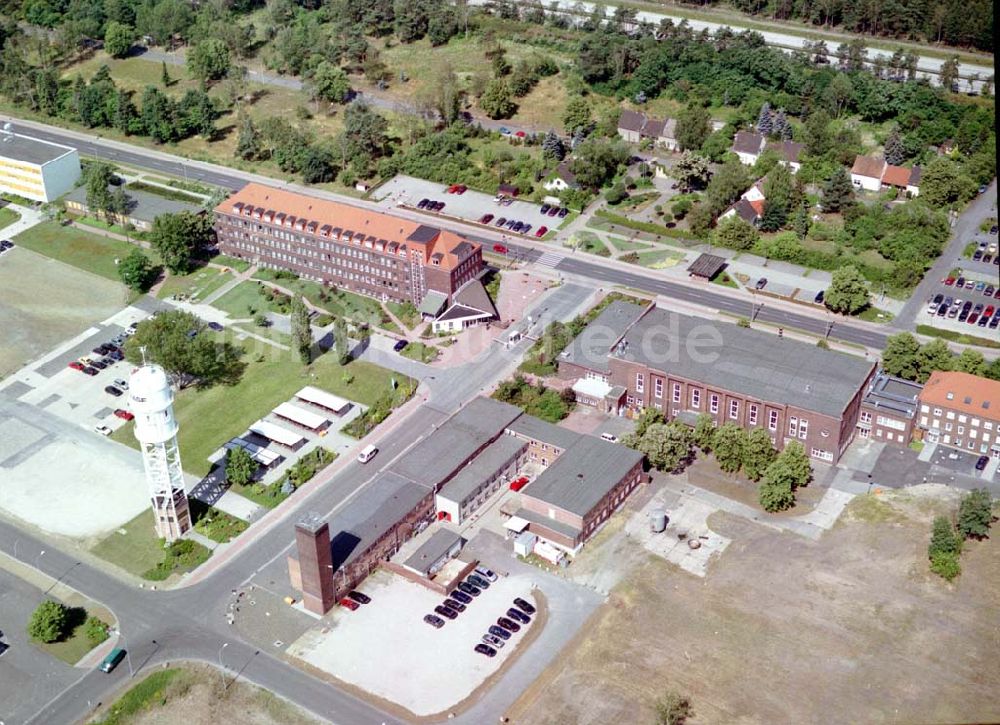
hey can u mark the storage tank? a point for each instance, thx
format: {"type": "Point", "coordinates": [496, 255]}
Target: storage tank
{"type": "Point", "coordinates": [657, 521]}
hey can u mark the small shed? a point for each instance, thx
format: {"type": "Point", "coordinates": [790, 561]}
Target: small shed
{"type": "Point", "coordinates": [706, 266]}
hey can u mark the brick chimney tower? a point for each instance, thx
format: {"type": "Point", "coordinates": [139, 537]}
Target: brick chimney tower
{"type": "Point", "coordinates": [312, 540]}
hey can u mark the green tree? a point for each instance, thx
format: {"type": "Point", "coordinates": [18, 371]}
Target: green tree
{"type": "Point", "coordinates": [96, 631]}
{"type": "Point", "coordinates": [970, 361]}
{"type": "Point", "coordinates": [340, 341]}
{"type": "Point", "coordinates": [249, 145]}
{"type": "Point", "coordinates": [944, 539]}
{"type": "Point", "coordinates": [795, 461]}
{"type": "Point", "coordinates": [209, 60]}
{"type": "Point", "coordinates": [175, 341]}
{"type": "Point", "coordinates": [597, 161]}
{"type": "Point", "coordinates": [735, 233]}
{"type": "Point", "coordinates": [553, 147]}
{"type": "Point", "coordinates": [895, 151]}
{"type": "Point", "coordinates": [847, 293]}
{"type": "Point", "coordinates": [693, 127]}
{"type": "Point", "coordinates": [137, 272]}
{"type": "Point", "coordinates": [301, 329]}
{"type": "Point", "coordinates": [497, 100]}
{"type": "Point", "coordinates": [940, 183]}
{"type": "Point", "coordinates": [648, 417]}
{"type": "Point", "coordinates": [165, 78]}
{"type": "Point", "coordinates": [946, 565]}
{"type": "Point", "coordinates": [99, 177]}
{"type": "Point", "coordinates": [411, 20]}
{"type": "Point", "coordinates": [118, 39]}
{"type": "Point", "coordinates": [330, 83]}
{"type": "Point", "coordinates": [758, 454]}
{"type": "Point", "coordinates": [577, 116]}
{"type": "Point", "coordinates": [666, 445]}
{"type": "Point", "coordinates": [949, 73]}
{"type": "Point", "coordinates": [673, 709]}
{"type": "Point", "coordinates": [704, 432]}
{"type": "Point", "coordinates": [900, 356]}
{"type": "Point", "coordinates": [179, 237]}
{"type": "Point", "coordinates": [48, 622]}
{"type": "Point", "coordinates": [240, 467]}
{"type": "Point", "coordinates": [691, 172]}
{"type": "Point", "coordinates": [816, 134]}
{"type": "Point", "coordinates": [975, 514]}
{"type": "Point", "coordinates": [727, 184]}
{"type": "Point", "coordinates": [774, 492]}
{"type": "Point", "coordinates": [838, 192]}
{"type": "Point", "coordinates": [728, 444]}
{"type": "Point", "coordinates": [935, 355]}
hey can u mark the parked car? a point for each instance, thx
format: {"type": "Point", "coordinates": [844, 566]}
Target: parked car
{"type": "Point", "coordinates": [121, 383]}
{"type": "Point", "coordinates": [981, 463]}
{"type": "Point", "coordinates": [545, 208]}
{"type": "Point", "coordinates": [98, 364]}
{"type": "Point", "coordinates": [523, 606]}
{"type": "Point", "coordinates": [977, 255]}
{"type": "Point", "coordinates": [447, 612]}
{"type": "Point", "coordinates": [215, 326]}
{"type": "Point", "coordinates": [90, 371]}
{"type": "Point", "coordinates": [499, 249]}
{"type": "Point", "coordinates": [112, 660]}
{"type": "Point", "coordinates": [349, 604]}
{"type": "Point", "coordinates": [541, 231]}
{"type": "Point", "coordinates": [469, 589]}
{"type": "Point", "coordinates": [477, 581]}
{"type": "Point", "coordinates": [971, 319]}
{"type": "Point", "coordinates": [461, 596]}
{"type": "Point", "coordinates": [983, 321]}
{"type": "Point", "coordinates": [499, 632]}
{"type": "Point", "coordinates": [438, 205]}
{"type": "Point", "coordinates": [76, 365]}
{"type": "Point", "coordinates": [400, 345]}
{"type": "Point", "coordinates": [525, 229]}
{"type": "Point", "coordinates": [989, 291]}
{"type": "Point", "coordinates": [980, 286]}
{"type": "Point", "coordinates": [422, 204]}
{"type": "Point", "coordinates": [112, 390]}
{"type": "Point", "coordinates": [563, 212]}
{"type": "Point", "coordinates": [435, 622]}
{"type": "Point", "coordinates": [518, 616]}
{"type": "Point", "coordinates": [960, 282]}
{"type": "Point", "coordinates": [101, 350]}
{"type": "Point", "coordinates": [988, 312]}
{"type": "Point", "coordinates": [452, 604]}
{"type": "Point", "coordinates": [484, 649]}
{"type": "Point", "coordinates": [938, 298]}
{"type": "Point", "coordinates": [942, 310]}
{"type": "Point", "coordinates": [359, 597]}
{"type": "Point", "coordinates": [515, 226]}
{"type": "Point", "coordinates": [949, 281]}
{"type": "Point", "coordinates": [519, 483]}
{"type": "Point", "coordinates": [123, 414]}
{"type": "Point", "coordinates": [500, 222]}
{"type": "Point", "coordinates": [554, 210]}
{"type": "Point", "coordinates": [761, 283]}
{"type": "Point", "coordinates": [509, 624]}
{"type": "Point", "coordinates": [487, 574]}
{"type": "Point", "coordinates": [102, 429]}
{"type": "Point", "coordinates": [493, 641]}
{"type": "Point", "coordinates": [485, 218]}
{"type": "Point", "coordinates": [818, 299]}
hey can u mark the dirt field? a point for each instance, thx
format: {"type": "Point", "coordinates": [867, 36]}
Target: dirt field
{"type": "Point", "coordinates": [45, 302]}
{"type": "Point", "coordinates": [849, 629]}
{"type": "Point", "coordinates": [195, 697]}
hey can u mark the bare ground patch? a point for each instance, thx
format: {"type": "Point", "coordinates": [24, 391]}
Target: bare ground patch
{"type": "Point", "coordinates": [851, 628]}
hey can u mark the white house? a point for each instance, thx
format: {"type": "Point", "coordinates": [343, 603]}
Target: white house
{"type": "Point", "coordinates": [561, 179]}
{"type": "Point", "coordinates": [867, 172]}
{"type": "Point", "coordinates": [748, 145]}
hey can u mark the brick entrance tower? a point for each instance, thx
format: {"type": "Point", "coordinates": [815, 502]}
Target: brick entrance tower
{"type": "Point", "coordinates": [312, 540]}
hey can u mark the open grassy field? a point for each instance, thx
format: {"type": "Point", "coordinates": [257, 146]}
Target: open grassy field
{"type": "Point", "coordinates": [197, 285]}
{"type": "Point", "coordinates": [242, 301]}
{"type": "Point", "coordinates": [659, 258]}
{"type": "Point", "coordinates": [626, 245]}
{"type": "Point", "coordinates": [134, 547]}
{"type": "Point", "coordinates": [857, 611]}
{"type": "Point", "coordinates": [588, 242]}
{"type": "Point", "coordinates": [339, 303]}
{"type": "Point", "coordinates": [209, 418]}
{"type": "Point", "coordinates": [194, 694]}
{"type": "Point", "coordinates": [8, 217]}
{"type": "Point", "coordinates": [89, 252]}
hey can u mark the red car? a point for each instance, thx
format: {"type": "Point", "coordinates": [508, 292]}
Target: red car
{"type": "Point", "coordinates": [124, 414]}
{"type": "Point", "coordinates": [949, 281]}
{"type": "Point", "coordinates": [485, 218]}
{"type": "Point", "coordinates": [520, 134]}
{"type": "Point", "coordinates": [349, 604]}
{"type": "Point", "coordinates": [541, 231]}
{"type": "Point", "coordinates": [518, 484]}
{"type": "Point", "coordinates": [988, 312]}
{"type": "Point", "coordinates": [499, 249]}
{"type": "Point", "coordinates": [76, 365]}
{"type": "Point", "coordinates": [452, 189]}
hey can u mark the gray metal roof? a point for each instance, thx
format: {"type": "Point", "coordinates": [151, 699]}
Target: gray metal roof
{"type": "Point", "coordinates": [432, 550]}
{"type": "Point", "coordinates": [558, 526]}
{"type": "Point", "coordinates": [494, 457]}
{"type": "Point", "coordinates": [707, 265]}
{"type": "Point", "coordinates": [369, 515]}
{"type": "Point", "coordinates": [440, 454]}
{"type": "Point", "coordinates": [142, 205]}
{"type": "Point", "coordinates": [894, 394]}
{"type": "Point", "coordinates": [590, 348]}
{"type": "Point", "coordinates": [579, 478]}
{"type": "Point", "coordinates": [757, 364]}
{"type": "Point", "coordinates": [30, 150]}
{"type": "Point", "coordinates": [544, 431]}
{"type": "Point", "coordinates": [474, 295]}
{"type": "Point", "coordinates": [432, 303]}
{"type": "Point", "coordinates": [423, 234]}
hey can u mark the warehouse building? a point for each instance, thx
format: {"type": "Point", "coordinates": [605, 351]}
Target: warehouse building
{"type": "Point", "coordinates": [36, 169]}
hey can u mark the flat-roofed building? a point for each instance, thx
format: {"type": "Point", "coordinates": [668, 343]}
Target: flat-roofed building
{"type": "Point", "coordinates": [36, 169]}
{"type": "Point", "coordinates": [141, 211]}
{"type": "Point", "coordinates": [356, 249]}
{"type": "Point", "coordinates": [888, 409]}
{"type": "Point", "coordinates": [495, 466]}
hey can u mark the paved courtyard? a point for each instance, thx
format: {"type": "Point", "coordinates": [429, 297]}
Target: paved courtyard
{"type": "Point", "coordinates": [385, 648]}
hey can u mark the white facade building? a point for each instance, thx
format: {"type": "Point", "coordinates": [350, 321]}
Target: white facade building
{"type": "Point", "coordinates": [151, 401]}
{"type": "Point", "coordinates": [36, 169]}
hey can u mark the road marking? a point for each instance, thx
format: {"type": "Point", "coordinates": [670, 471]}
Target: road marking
{"type": "Point", "coordinates": [549, 259]}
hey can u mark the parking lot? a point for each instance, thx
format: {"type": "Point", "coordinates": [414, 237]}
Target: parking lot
{"type": "Point", "coordinates": [469, 206]}
{"type": "Point", "coordinates": [980, 288]}
{"type": "Point", "coordinates": [385, 648]}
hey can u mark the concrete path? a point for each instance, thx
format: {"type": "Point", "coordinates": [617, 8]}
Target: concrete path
{"type": "Point", "coordinates": [29, 218]}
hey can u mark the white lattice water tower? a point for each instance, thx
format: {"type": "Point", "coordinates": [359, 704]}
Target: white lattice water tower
{"type": "Point", "coordinates": [151, 400]}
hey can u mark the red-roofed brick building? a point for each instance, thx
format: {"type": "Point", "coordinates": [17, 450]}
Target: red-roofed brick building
{"type": "Point", "coordinates": [961, 411]}
{"type": "Point", "coordinates": [363, 251]}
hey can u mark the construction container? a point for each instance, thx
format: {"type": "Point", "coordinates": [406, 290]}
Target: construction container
{"type": "Point", "coordinates": [657, 521]}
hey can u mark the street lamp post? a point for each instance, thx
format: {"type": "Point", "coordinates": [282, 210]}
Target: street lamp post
{"type": "Point", "coordinates": [128, 654]}
{"type": "Point", "coordinates": [222, 667]}
{"type": "Point", "coordinates": [16, 542]}
{"type": "Point", "coordinates": [39, 558]}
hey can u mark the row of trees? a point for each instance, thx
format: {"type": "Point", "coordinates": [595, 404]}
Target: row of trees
{"type": "Point", "coordinates": [670, 447]}
{"type": "Point", "coordinates": [906, 358]}
{"type": "Point", "coordinates": [975, 516]}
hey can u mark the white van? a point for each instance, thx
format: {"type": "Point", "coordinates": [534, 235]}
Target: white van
{"type": "Point", "coordinates": [609, 437]}
{"type": "Point", "coordinates": [367, 453]}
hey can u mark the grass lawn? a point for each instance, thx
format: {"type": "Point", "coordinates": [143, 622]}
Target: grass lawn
{"type": "Point", "coordinates": [105, 226]}
{"type": "Point", "coordinates": [268, 333]}
{"type": "Point", "coordinates": [588, 242]}
{"type": "Point", "coordinates": [657, 259]}
{"type": "Point", "coordinates": [339, 303]}
{"type": "Point", "coordinates": [724, 280]}
{"type": "Point", "coordinates": [208, 418]}
{"type": "Point", "coordinates": [137, 550]}
{"type": "Point", "coordinates": [216, 525]}
{"type": "Point", "coordinates": [8, 217]}
{"type": "Point", "coordinates": [73, 246]}
{"type": "Point", "coordinates": [420, 352]}
{"type": "Point", "coordinates": [197, 285]}
{"type": "Point", "coordinates": [874, 314]}
{"type": "Point", "coordinates": [626, 245]}
{"type": "Point", "coordinates": [73, 648]}
{"type": "Point", "coordinates": [406, 312]}
{"type": "Point", "coordinates": [150, 693]}
{"type": "Point", "coordinates": [957, 336]}
{"type": "Point", "coordinates": [244, 300]}
{"type": "Point", "coordinates": [240, 265]}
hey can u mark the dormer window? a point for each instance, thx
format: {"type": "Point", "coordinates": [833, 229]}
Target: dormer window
{"type": "Point", "coordinates": [950, 396]}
